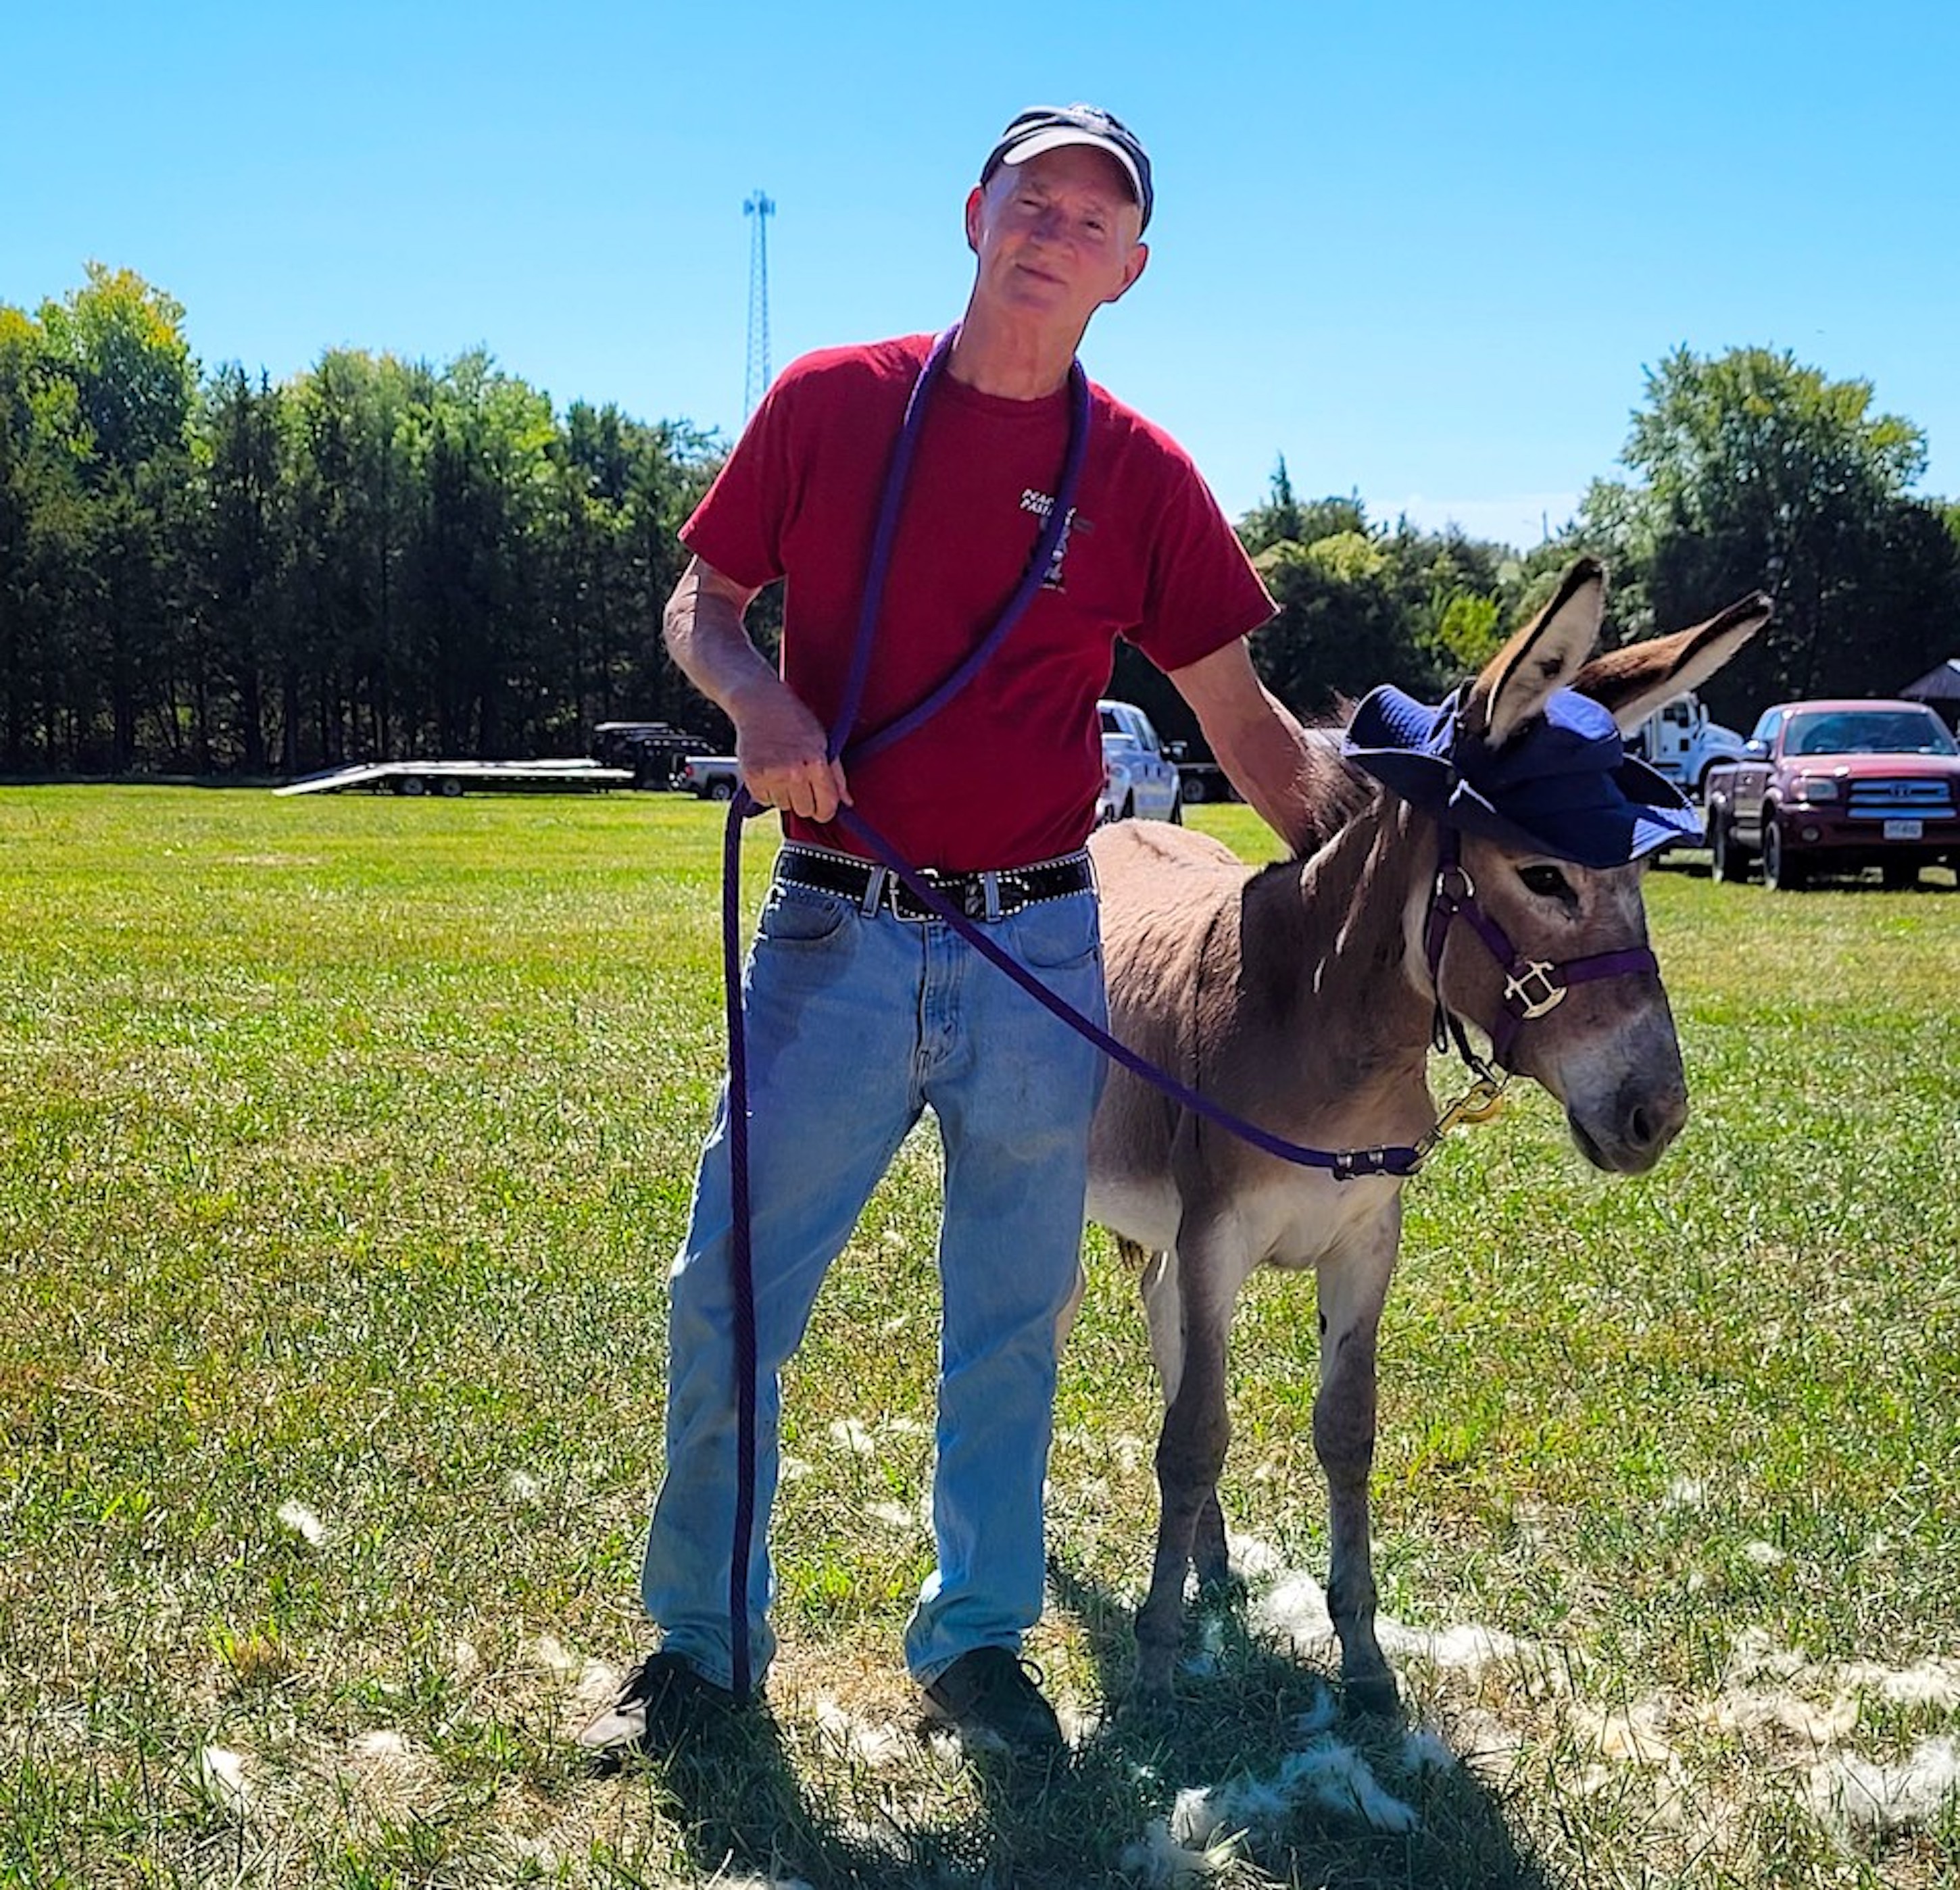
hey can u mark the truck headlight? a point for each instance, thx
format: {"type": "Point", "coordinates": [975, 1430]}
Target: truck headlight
{"type": "Point", "coordinates": [1816, 787]}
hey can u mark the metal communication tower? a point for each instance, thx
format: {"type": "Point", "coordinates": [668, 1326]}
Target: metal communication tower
{"type": "Point", "coordinates": [756, 383]}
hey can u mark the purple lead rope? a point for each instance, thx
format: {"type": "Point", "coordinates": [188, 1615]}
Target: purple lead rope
{"type": "Point", "coordinates": [741, 1257]}
{"type": "Point", "coordinates": [890, 502]}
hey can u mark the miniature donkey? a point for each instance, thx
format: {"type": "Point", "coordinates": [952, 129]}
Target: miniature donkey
{"type": "Point", "coordinates": [1303, 998]}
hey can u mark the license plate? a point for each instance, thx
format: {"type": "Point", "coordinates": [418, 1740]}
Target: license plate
{"type": "Point", "coordinates": [1905, 830]}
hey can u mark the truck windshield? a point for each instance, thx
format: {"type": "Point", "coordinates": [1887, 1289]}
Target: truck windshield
{"type": "Point", "coordinates": [1869, 731]}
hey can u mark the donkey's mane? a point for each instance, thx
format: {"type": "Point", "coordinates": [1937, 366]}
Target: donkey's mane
{"type": "Point", "coordinates": [1337, 792]}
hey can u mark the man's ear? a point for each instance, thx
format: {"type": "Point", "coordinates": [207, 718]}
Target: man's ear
{"type": "Point", "coordinates": [975, 199]}
{"type": "Point", "coordinates": [1139, 256]}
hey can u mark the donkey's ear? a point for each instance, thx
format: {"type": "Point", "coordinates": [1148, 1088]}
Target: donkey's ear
{"type": "Point", "coordinates": [1635, 681]}
{"type": "Point", "coordinates": [1543, 656]}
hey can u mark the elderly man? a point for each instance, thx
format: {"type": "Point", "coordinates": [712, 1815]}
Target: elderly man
{"type": "Point", "coordinates": [862, 1009]}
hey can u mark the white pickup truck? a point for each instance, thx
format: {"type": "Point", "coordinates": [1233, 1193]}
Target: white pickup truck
{"type": "Point", "coordinates": [1140, 781]}
{"type": "Point", "coordinates": [709, 777]}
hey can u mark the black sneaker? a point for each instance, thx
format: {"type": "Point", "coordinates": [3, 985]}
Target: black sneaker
{"type": "Point", "coordinates": [992, 1698]}
{"type": "Point", "coordinates": [664, 1704]}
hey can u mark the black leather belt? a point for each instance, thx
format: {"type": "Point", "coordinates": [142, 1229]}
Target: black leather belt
{"type": "Point", "coordinates": [982, 896]}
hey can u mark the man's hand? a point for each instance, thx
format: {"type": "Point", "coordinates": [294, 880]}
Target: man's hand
{"type": "Point", "coordinates": [779, 745]}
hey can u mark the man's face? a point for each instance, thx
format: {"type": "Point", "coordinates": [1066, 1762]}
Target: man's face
{"type": "Point", "coordinates": [1057, 236]}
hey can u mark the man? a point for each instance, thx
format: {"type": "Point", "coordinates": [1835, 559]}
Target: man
{"type": "Point", "coordinates": [862, 1011]}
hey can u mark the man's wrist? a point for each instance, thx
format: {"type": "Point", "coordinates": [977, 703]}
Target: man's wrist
{"type": "Point", "coordinates": [758, 690]}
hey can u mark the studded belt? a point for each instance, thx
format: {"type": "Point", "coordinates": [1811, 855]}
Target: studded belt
{"type": "Point", "coordinates": [986, 896]}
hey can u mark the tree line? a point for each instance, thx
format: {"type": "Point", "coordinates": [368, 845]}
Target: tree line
{"type": "Point", "coordinates": [211, 574]}
{"type": "Point", "coordinates": [1744, 471]}
{"type": "Point", "coordinates": [378, 559]}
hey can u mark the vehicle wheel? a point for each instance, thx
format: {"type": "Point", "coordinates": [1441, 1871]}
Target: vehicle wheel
{"type": "Point", "coordinates": [449, 787]}
{"type": "Point", "coordinates": [1726, 861]}
{"type": "Point", "coordinates": [1780, 873]}
{"type": "Point", "coordinates": [412, 784]}
{"type": "Point", "coordinates": [1721, 855]}
{"type": "Point", "coordinates": [721, 790]}
{"type": "Point", "coordinates": [1176, 814]}
{"type": "Point", "coordinates": [1191, 790]}
{"type": "Point", "coordinates": [1900, 875]}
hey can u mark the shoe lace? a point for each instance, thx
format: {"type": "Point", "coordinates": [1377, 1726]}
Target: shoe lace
{"type": "Point", "coordinates": [1002, 1663]}
{"type": "Point", "coordinates": [1009, 1681]}
{"type": "Point", "coordinates": [660, 1674]}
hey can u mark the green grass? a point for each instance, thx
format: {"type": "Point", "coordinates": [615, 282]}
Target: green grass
{"type": "Point", "coordinates": [346, 1141]}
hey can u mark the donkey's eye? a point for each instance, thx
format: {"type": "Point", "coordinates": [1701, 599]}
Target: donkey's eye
{"type": "Point", "coordinates": [1547, 882]}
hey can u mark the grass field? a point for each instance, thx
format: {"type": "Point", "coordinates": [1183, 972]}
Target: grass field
{"type": "Point", "coordinates": [346, 1141]}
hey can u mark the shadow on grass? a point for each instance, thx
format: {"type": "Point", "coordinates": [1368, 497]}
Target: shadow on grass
{"type": "Point", "coordinates": [1239, 1719]}
{"type": "Point", "coordinates": [746, 1810]}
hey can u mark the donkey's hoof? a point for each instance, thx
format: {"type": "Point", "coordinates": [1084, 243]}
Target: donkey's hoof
{"type": "Point", "coordinates": [1224, 1587]}
{"type": "Point", "coordinates": [1372, 1696]}
{"type": "Point", "coordinates": [1150, 1688]}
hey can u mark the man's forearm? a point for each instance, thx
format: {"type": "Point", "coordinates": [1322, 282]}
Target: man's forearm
{"type": "Point", "coordinates": [704, 634]}
{"type": "Point", "coordinates": [779, 744]}
{"type": "Point", "coordinates": [1256, 740]}
{"type": "Point", "coordinates": [1264, 758]}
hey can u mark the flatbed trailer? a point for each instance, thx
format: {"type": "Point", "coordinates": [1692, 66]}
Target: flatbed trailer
{"type": "Point", "coordinates": [449, 778]}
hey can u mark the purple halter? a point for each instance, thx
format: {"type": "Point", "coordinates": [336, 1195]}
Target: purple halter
{"type": "Point", "coordinates": [1532, 986]}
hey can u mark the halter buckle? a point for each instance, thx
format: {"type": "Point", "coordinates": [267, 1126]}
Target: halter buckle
{"type": "Point", "coordinates": [1532, 990]}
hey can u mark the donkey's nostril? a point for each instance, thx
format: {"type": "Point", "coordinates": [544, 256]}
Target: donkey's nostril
{"type": "Point", "coordinates": [1653, 1124]}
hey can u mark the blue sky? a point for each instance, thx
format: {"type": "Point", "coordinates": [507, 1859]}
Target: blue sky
{"type": "Point", "coordinates": [1423, 251]}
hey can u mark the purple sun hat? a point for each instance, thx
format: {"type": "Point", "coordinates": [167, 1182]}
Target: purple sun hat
{"type": "Point", "coordinates": [1564, 785]}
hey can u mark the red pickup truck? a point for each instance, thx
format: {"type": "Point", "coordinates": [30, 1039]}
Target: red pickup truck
{"type": "Point", "coordinates": [1834, 785]}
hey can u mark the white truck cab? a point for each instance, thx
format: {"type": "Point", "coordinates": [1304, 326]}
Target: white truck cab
{"type": "Point", "coordinates": [1679, 741]}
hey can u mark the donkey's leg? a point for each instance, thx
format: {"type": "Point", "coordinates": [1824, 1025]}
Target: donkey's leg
{"type": "Point", "coordinates": [1164, 1310]}
{"type": "Point", "coordinates": [1210, 1554]}
{"type": "Point", "coordinates": [1353, 1284]}
{"type": "Point", "coordinates": [1200, 1281]}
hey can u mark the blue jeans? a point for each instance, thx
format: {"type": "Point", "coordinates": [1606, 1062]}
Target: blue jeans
{"type": "Point", "coordinates": [856, 1024]}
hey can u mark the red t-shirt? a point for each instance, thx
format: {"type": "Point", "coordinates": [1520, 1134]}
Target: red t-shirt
{"type": "Point", "coordinates": [1008, 772]}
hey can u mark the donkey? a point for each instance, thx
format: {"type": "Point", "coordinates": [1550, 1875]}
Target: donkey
{"type": "Point", "coordinates": [1305, 998]}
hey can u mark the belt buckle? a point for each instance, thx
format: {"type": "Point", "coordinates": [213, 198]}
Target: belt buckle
{"type": "Point", "coordinates": [906, 906]}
